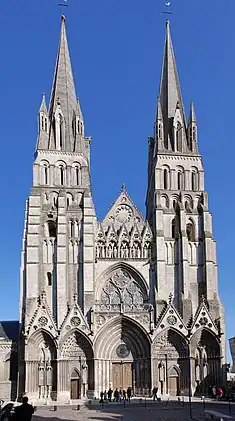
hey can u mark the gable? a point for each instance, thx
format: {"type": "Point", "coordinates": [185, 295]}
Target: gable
{"type": "Point", "coordinates": [123, 211]}
{"type": "Point", "coordinates": [171, 319]}
{"type": "Point", "coordinates": [203, 319]}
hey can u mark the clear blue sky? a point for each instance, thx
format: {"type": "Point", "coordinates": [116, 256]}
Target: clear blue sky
{"type": "Point", "coordinates": [116, 49]}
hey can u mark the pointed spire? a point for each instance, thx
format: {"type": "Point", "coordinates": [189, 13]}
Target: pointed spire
{"type": "Point", "coordinates": [170, 93]}
{"type": "Point", "coordinates": [192, 130]}
{"type": "Point", "coordinates": [43, 125]}
{"type": "Point", "coordinates": [63, 93]}
{"type": "Point", "coordinates": [192, 115]}
{"type": "Point", "coordinates": [43, 107]}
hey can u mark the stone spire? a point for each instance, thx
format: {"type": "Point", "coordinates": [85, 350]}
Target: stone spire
{"type": "Point", "coordinates": [192, 130]}
{"type": "Point", "coordinates": [64, 105]}
{"type": "Point", "coordinates": [170, 95]}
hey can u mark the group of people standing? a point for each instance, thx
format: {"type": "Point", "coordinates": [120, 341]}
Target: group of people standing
{"type": "Point", "coordinates": [116, 395]}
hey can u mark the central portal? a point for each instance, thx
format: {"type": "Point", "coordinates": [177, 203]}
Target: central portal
{"type": "Point", "coordinates": [122, 375]}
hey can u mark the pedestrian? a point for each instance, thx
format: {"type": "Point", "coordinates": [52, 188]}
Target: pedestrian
{"type": "Point", "coordinates": [105, 395]}
{"type": "Point", "coordinates": [124, 394]}
{"type": "Point", "coordinates": [110, 392]}
{"type": "Point", "coordinates": [101, 397]}
{"type": "Point", "coordinates": [25, 411]}
{"type": "Point", "coordinates": [155, 390]}
{"type": "Point", "coordinates": [116, 395]}
{"type": "Point", "coordinates": [120, 395]}
{"type": "Point", "coordinates": [129, 394]}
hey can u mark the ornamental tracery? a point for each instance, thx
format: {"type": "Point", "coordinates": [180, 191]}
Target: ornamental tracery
{"type": "Point", "coordinates": [123, 244]}
{"type": "Point", "coordinates": [122, 291]}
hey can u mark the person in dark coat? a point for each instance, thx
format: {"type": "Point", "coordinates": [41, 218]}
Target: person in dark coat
{"type": "Point", "coordinates": [110, 392]}
{"type": "Point", "coordinates": [128, 394]}
{"type": "Point", "coordinates": [24, 412]}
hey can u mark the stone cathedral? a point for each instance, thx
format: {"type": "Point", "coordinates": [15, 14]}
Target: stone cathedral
{"type": "Point", "coordinates": [130, 301]}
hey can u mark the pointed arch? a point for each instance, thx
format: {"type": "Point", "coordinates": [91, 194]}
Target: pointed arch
{"type": "Point", "coordinates": [190, 230]}
{"type": "Point", "coordinates": [179, 137]}
{"type": "Point", "coordinates": [122, 329]}
{"type": "Point", "coordinates": [194, 179]}
{"type": "Point", "coordinates": [132, 273]}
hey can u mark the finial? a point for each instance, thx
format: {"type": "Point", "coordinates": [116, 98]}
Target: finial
{"type": "Point", "coordinates": [75, 296]}
{"type": "Point", "coordinates": [62, 5]}
{"type": "Point", "coordinates": [203, 300]}
{"type": "Point", "coordinates": [170, 298]}
{"type": "Point", "coordinates": [123, 187]}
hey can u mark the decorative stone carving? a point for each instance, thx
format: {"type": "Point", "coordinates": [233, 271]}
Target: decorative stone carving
{"type": "Point", "coordinates": [171, 320]}
{"type": "Point", "coordinates": [124, 213]}
{"type": "Point", "coordinates": [75, 321]}
{"type": "Point", "coordinates": [122, 290]}
{"type": "Point", "coordinates": [71, 349]}
{"type": "Point", "coordinates": [122, 351]}
{"type": "Point", "coordinates": [43, 321]}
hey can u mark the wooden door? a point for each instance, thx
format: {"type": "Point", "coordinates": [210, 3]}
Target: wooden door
{"type": "Point", "coordinates": [127, 375]}
{"type": "Point", "coordinates": [173, 386]}
{"type": "Point", "coordinates": [74, 388]}
{"type": "Point", "coordinates": [122, 376]}
{"type": "Point", "coordinates": [117, 376]}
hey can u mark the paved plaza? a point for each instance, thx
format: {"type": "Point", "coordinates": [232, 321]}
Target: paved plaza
{"type": "Point", "coordinates": [136, 411]}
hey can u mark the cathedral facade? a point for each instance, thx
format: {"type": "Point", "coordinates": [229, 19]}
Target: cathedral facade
{"type": "Point", "coordinates": [128, 301]}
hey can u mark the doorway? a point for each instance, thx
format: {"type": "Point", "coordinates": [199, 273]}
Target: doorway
{"type": "Point", "coordinates": [75, 392]}
{"type": "Point", "coordinates": [122, 375]}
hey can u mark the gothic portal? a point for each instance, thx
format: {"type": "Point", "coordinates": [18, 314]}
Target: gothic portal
{"type": "Point", "coordinates": [128, 301]}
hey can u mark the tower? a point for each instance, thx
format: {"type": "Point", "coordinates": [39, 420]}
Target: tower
{"type": "Point", "coordinates": [57, 255]}
{"type": "Point", "coordinates": [184, 251]}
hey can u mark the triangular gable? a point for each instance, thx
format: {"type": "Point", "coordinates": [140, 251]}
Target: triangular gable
{"type": "Point", "coordinates": [123, 234]}
{"type": "Point", "coordinates": [111, 233]}
{"type": "Point", "coordinates": [100, 236]}
{"type": "Point", "coordinates": [135, 234]}
{"type": "Point", "coordinates": [147, 233]}
{"type": "Point", "coordinates": [75, 320]}
{"type": "Point", "coordinates": [122, 210]}
{"type": "Point", "coordinates": [171, 319]}
{"type": "Point", "coordinates": [42, 318]}
{"type": "Point", "coordinates": [203, 319]}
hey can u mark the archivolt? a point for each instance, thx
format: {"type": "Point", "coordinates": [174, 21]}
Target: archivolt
{"type": "Point", "coordinates": [111, 270]}
{"type": "Point", "coordinates": [122, 330]}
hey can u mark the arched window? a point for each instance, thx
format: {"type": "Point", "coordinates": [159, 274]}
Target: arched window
{"type": "Point", "coordinates": [159, 131]}
{"type": "Point", "coordinates": [49, 279]}
{"type": "Point", "coordinates": [179, 137]}
{"type": "Point", "coordinates": [165, 176]}
{"type": "Point", "coordinates": [52, 229]}
{"type": "Point", "coordinates": [45, 124]}
{"type": "Point", "coordinates": [173, 228]}
{"type": "Point", "coordinates": [194, 134]}
{"type": "Point", "coordinates": [190, 232]}
{"type": "Point", "coordinates": [61, 173]}
{"type": "Point", "coordinates": [81, 128]}
{"type": "Point", "coordinates": [77, 175]}
{"type": "Point", "coordinates": [42, 122]}
{"type": "Point", "coordinates": [194, 176]}
{"type": "Point", "coordinates": [179, 180]}
{"type": "Point", "coordinates": [78, 126]}
{"type": "Point", "coordinates": [71, 228]}
{"type": "Point", "coordinates": [46, 174]}
{"type": "Point", "coordinates": [61, 131]}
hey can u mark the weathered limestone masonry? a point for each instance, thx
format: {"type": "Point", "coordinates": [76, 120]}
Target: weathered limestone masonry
{"type": "Point", "coordinates": [127, 301]}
